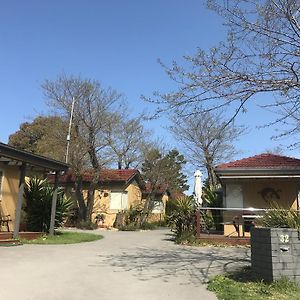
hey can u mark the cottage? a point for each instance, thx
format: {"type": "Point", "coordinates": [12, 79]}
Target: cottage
{"type": "Point", "coordinates": [256, 182]}
{"type": "Point", "coordinates": [117, 190]}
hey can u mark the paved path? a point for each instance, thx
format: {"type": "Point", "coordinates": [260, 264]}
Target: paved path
{"type": "Point", "coordinates": [123, 265]}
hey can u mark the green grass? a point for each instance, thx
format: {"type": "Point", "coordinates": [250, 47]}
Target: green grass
{"type": "Point", "coordinates": [64, 237]}
{"type": "Point", "coordinates": [244, 286]}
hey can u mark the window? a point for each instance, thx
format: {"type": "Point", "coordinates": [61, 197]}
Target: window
{"type": "Point", "coordinates": [158, 207]}
{"type": "Point", "coordinates": [118, 200]}
{"type": "Point", "coordinates": [234, 196]}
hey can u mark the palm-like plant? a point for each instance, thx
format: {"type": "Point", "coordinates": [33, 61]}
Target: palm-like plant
{"type": "Point", "coordinates": [182, 216]}
{"type": "Point", "coordinates": [38, 197]}
{"type": "Point", "coordinates": [278, 216]}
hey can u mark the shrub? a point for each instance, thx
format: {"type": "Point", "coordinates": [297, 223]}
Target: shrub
{"type": "Point", "coordinates": [38, 201]}
{"type": "Point", "coordinates": [148, 226]}
{"type": "Point", "coordinates": [129, 227]}
{"type": "Point", "coordinates": [87, 225]}
{"type": "Point", "coordinates": [182, 216]}
{"type": "Point", "coordinates": [131, 220]}
{"type": "Point", "coordinates": [277, 216]}
{"type": "Point", "coordinates": [212, 198]}
{"type": "Point", "coordinates": [186, 237]}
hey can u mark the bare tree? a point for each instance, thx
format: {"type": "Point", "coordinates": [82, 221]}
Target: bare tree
{"type": "Point", "coordinates": [94, 107]}
{"type": "Point", "coordinates": [261, 55]}
{"type": "Point", "coordinates": [206, 140]}
{"type": "Point", "coordinates": [126, 137]}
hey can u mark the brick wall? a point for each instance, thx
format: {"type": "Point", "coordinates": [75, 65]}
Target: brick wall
{"type": "Point", "coordinates": [275, 253]}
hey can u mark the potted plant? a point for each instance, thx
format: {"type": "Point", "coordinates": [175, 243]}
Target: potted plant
{"type": "Point", "coordinates": [100, 220]}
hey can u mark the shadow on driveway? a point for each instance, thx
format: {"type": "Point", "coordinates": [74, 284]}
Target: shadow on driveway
{"type": "Point", "coordinates": [192, 265]}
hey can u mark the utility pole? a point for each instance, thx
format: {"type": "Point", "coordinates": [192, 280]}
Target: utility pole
{"type": "Point", "coordinates": [69, 130]}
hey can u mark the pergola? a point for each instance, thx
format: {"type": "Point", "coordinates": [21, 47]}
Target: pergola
{"type": "Point", "coordinates": [29, 162]}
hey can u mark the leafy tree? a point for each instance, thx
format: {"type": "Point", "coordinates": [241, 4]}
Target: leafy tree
{"type": "Point", "coordinates": [45, 135]}
{"type": "Point", "coordinates": [163, 172]}
{"type": "Point", "coordinates": [260, 55]}
{"type": "Point", "coordinates": [206, 140]}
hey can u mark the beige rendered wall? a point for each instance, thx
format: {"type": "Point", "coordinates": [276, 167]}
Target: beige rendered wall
{"type": "Point", "coordinates": [102, 201]}
{"type": "Point", "coordinates": [9, 193]}
{"type": "Point", "coordinates": [252, 197]}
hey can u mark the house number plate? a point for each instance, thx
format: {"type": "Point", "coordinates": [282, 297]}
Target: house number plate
{"type": "Point", "coordinates": [284, 238]}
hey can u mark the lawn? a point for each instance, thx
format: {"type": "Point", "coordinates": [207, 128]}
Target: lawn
{"type": "Point", "coordinates": [243, 286]}
{"type": "Point", "coordinates": [64, 237]}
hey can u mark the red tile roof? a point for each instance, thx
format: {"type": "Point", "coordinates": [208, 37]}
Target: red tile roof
{"type": "Point", "coordinates": [106, 175]}
{"type": "Point", "coordinates": [159, 190]}
{"type": "Point", "coordinates": [263, 161]}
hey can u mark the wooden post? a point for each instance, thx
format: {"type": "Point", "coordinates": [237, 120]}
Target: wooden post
{"type": "Point", "coordinates": [53, 207]}
{"type": "Point", "coordinates": [198, 224]}
{"type": "Point", "coordinates": [20, 201]}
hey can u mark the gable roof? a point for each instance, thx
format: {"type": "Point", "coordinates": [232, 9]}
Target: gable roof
{"type": "Point", "coordinates": [263, 161]}
{"type": "Point", "coordinates": [262, 165]}
{"type": "Point", "coordinates": [106, 176]}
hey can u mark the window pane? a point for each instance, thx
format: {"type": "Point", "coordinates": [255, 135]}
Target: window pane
{"type": "Point", "coordinates": [118, 200]}
{"type": "Point", "coordinates": [158, 207]}
{"type": "Point", "coordinates": [124, 201]}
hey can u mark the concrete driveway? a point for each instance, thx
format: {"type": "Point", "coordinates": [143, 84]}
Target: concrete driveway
{"type": "Point", "coordinates": [123, 265]}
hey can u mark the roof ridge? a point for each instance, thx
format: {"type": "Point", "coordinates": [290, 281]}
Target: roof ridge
{"type": "Point", "coordinates": [263, 160]}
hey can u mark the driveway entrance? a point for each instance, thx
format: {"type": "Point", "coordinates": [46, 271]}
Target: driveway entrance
{"type": "Point", "coordinates": [123, 265]}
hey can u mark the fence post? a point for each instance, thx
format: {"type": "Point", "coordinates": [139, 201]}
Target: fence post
{"type": "Point", "coordinates": [198, 224]}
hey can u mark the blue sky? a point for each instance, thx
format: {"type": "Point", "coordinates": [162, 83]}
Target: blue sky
{"type": "Point", "coordinates": [116, 42]}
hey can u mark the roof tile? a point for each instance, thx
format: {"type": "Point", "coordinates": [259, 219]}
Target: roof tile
{"type": "Point", "coordinates": [263, 161]}
{"type": "Point", "coordinates": [106, 175]}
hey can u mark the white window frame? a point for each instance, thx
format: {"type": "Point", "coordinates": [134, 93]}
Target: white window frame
{"type": "Point", "coordinates": [158, 206]}
{"type": "Point", "coordinates": [124, 197]}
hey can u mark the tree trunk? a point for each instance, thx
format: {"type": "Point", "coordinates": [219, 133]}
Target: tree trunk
{"type": "Point", "coordinates": [90, 202]}
{"type": "Point", "coordinates": [95, 180]}
{"type": "Point", "coordinates": [119, 165]}
{"type": "Point", "coordinates": [80, 199]}
{"type": "Point", "coordinates": [147, 207]}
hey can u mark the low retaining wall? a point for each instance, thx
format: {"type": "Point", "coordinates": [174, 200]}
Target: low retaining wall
{"type": "Point", "coordinates": [22, 235]}
{"type": "Point", "coordinates": [275, 253]}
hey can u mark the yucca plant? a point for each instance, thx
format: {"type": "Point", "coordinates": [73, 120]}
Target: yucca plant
{"type": "Point", "coordinates": [182, 216]}
{"type": "Point", "coordinates": [211, 198]}
{"type": "Point", "coordinates": [38, 200]}
{"type": "Point", "coordinates": [278, 216]}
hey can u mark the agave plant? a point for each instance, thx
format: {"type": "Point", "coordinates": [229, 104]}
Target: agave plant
{"type": "Point", "coordinates": [211, 198]}
{"type": "Point", "coordinates": [278, 216]}
{"type": "Point", "coordinates": [38, 195]}
{"type": "Point", "coordinates": [182, 215]}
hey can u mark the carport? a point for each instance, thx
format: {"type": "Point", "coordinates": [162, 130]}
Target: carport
{"type": "Point", "coordinates": [28, 164]}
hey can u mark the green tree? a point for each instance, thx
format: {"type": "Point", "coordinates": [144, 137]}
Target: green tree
{"type": "Point", "coordinates": [163, 172]}
{"type": "Point", "coordinates": [45, 135]}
